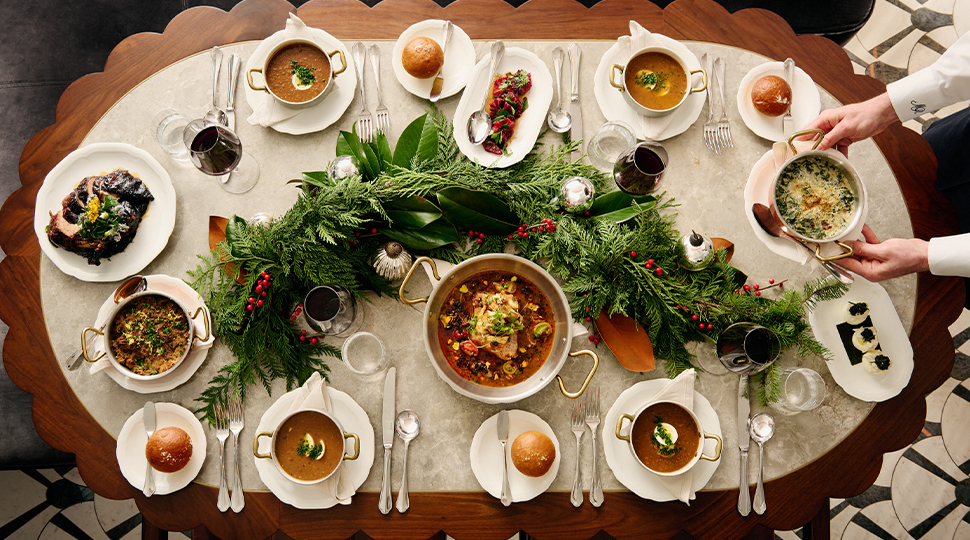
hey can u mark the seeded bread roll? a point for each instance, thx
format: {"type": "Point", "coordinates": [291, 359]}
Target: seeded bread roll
{"type": "Point", "coordinates": [533, 453]}
{"type": "Point", "coordinates": [771, 95]}
{"type": "Point", "coordinates": [169, 449]}
{"type": "Point", "coordinates": [422, 58]}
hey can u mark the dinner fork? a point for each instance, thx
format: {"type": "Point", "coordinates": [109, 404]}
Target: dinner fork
{"type": "Point", "coordinates": [723, 126]}
{"type": "Point", "coordinates": [236, 425]}
{"type": "Point", "coordinates": [381, 115]}
{"type": "Point", "coordinates": [592, 407]}
{"type": "Point", "coordinates": [710, 127]}
{"type": "Point", "coordinates": [578, 429]}
{"type": "Point", "coordinates": [364, 121]}
{"type": "Point", "coordinates": [222, 433]}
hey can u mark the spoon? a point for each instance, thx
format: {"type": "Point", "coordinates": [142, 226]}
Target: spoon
{"type": "Point", "coordinates": [216, 115]}
{"type": "Point", "coordinates": [762, 214]}
{"type": "Point", "coordinates": [559, 120]}
{"type": "Point", "coordinates": [128, 287]}
{"type": "Point", "coordinates": [761, 429]}
{"type": "Point", "coordinates": [480, 123]}
{"type": "Point", "coordinates": [407, 429]}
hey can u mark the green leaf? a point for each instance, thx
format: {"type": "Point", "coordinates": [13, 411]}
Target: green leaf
{"type": "Point", "coordinates": [351, 143]}
{"type": "Point", "coordinates": [420, 139]}
{"type": "Point", "coordinates": [374, 162]}
{"type": "Point", "coordinates": [616, 200]}
{"type": "Point", "coordinates": [318, 178]}
{"type": "Point", "coordinates": [435, 234]}
{"type": "Point", "coordinates": [411, 213]}
{"type": "Point", "coordinates": [383, 150]}
{"type": "Point", "coordinates": [343, 147]}
{"type": "Point", "coordinates": [476, 211]}
{"type": "Point", "coordinates": [235, 230]}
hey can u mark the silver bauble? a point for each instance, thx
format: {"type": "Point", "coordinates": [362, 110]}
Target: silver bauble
{"type": "Point", "coordinates": [698, 251]}
{"type": "Point", "coordinates": [392, 261]}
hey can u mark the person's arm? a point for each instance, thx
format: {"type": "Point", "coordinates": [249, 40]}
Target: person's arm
{"type": "Point", "coordinates": [876, 261]}
{"type": "Point", "coordinates": [950, 255]}
{"type": "Point", "coordinates": [943, 83]}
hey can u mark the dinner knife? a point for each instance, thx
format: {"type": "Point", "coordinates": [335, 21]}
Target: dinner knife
{"type": "Point", "coordinates": [149, 419]}
{"type": "Point", "coordinates": [575, 109]}
{"type": "Point", "coordinates": [744, 438]}
{"type": "Point", "coordinates": [387, 425]}
{"type": "Point", "coordinates": [787, 122]}
{"type": "Point", "coordinates": [502, 430]}
{"type": "Point", "coordinates": [439, 81]}
{"type": "Point", "coordinates": [234, 62]}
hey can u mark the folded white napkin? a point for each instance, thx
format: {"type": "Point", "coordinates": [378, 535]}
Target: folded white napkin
{"type": "Point", "coordinates": [314, 395]}
{"type": "Point", "coordinates": [680, 390]}
{"type": "Point", "coordinates": [639, 38]}
{"type": "Point", "coordinates": [268, 110]}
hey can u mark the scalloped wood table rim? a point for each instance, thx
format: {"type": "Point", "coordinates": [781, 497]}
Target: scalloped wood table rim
{"type": "Point", "coordinates": [795, 498]}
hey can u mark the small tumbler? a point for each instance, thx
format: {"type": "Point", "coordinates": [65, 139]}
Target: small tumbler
{"type": "Point", "coordinates": [802, 389]}
{"type": "Point", "coordinates": [363, 353]}
{"type": "Point", "coordinates": [166, 128]}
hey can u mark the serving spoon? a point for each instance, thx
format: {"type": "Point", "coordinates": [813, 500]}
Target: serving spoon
{"type": "Point", "coordinates": [559, 120]}
{"type": "Point", "coordinates": [762, 214]}
{"type": "Point", "coordinates": [761, 428]}
{"type": "Point", "coordinates": [480, 123]}
{"type": "Point", "coordinates": [408, 427]}
{"type": "Point", "coordinates": [216, 115]}
{"type": "Point", "coordinates": [128, 287]}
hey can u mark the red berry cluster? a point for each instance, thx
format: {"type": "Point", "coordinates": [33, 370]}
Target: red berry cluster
{"type": "Point", "coordinates": [373, 230]}
{"type": "Point", "coordinates": [756, 289]}
{"type": "Point", "coordinates": [481, 236]}
{"type": "Point", "coordinates": [595, 338]}
{"type": "Point", "coordinates": [649, 264]}
{"type": "Point", "coordinates": [262, 285]}
{"type": "Point", "coordinates": [696, 318]}
{"type": "Point", "coordinates": [296, 313]}
{"type": "Point", "coordinates": [313, 340]}
{"type": "Point", "coordinates": [547, 225]}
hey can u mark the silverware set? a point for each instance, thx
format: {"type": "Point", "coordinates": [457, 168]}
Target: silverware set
{"type": "Point", "coordinates": [368, 125]}
{"type": "Point", "coordinates": [586, 414]}
{"type": "Point", "coordinates": [717, 133]}
{"type": "Point", "coordinates": [229, 421]}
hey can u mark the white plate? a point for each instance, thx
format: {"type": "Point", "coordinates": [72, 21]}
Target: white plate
{"type": "Point", "coordinates": [130, 449]}
{"type": "Point", "coordinates": [153, 232]}
{"type": "Point", "coordinates": [321, 115]}
{"type": "Point", "coordinates": [459, 58]}
{"type": "Point", "coordinates": [528, 125]}
{"type": "Point", "coordinates": [614, 105]}
{"type": "Point", "coordinates": [352, 417]}
{"type": "Point", "coordinates": [805, 103]}
{"type": "Point", "coordinates": [486, 457]}
{"type": "Point", "coordinates": [855, 380]}
{"type": "Point", "coordinates": [181, 373]}
{"type": "Point", "coordinates": [624, 463]}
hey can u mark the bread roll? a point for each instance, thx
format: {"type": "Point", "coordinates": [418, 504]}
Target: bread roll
{"type": "Point", "coordinates": [533, 452]}
{"type": "Point", "coordinates": [771, 95]}
{"type": "Point", "coordinates": [422, 58]}
{"type": "Point", "coordinates": [168, 449]}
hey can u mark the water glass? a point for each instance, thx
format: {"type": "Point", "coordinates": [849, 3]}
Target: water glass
{"type": "Point", "coordinates": [363, 353]}
{"type": "Point", "coordinates": [638, 170]}
{"type": "Point", "coordinates": [802, 389]}
{"type": "Point", "coordinates": [330, 309]}
{"type": "Point", "coordinates": [166, 128]}
{"type": "Point", "coordinates": [612, 139]}
{"type": "Point", "coordinates": [746, 348]}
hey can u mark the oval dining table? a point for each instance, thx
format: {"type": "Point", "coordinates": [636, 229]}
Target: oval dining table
{"type": "Point", "coordinates": [795, 498]}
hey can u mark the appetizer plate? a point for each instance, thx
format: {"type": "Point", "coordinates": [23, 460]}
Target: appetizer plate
{"type": "Point", "coordinates": [805, 104]}
{"type": "Point", "coordinates": [321, 115]}
{"type": "Point", "coordinates": [130, 449]}
{"type": "Point", "coordinates": [624, 464]}
{"type": "Point", "coordinates": [486, 457]}
{"type": "Point", "coordinates": [615, 107]}
{"type": "Point", "coordinates": [181, 373]}
{"type": "Point", "coordinates": [155, 227]}
{"type": "Point", "coordinates": [309, 497]}
{"type": "Point", "coordinates": [527, 127]}
{"type": "Point", "coordinates": [459, 58]}
{"type": "Point", "coordinates": [855, 380]}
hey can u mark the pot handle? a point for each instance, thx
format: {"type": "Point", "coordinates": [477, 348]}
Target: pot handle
{"type": "Point", "coordinates": [417, 262]}
{"type": "Point", "coordinates": [349, 457]}
{"type": "Point", "coordinates": [613, 70]}
{"type": "Point", "coordinates": [717, 449]}
{"type": "Point", "coordinates": [249, 79]}
{"type": "Point", "coordinates": [256, 444]}
{"type": "Point", "coordinates": [847, 253]}
{"type": "Point", "coordinates": [84, 344]}
{"type": "Point", "coordinates": [205, 320]}
{"type": "Point", "coordinates": [619, 428]}
{"type": "Point", "coordinates": [343, 61]}
{"type": "Point", "coordinates": [702, 88]}
{"type": "Point", "coordinates": [818, 141]}
{"type": "Point", "coordinates": [596, 364]}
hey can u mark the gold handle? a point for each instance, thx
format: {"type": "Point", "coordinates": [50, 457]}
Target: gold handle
{"type": "Point", "coordinates": [256, 444]}
{"type": "Point", "coordinates": [418, 261]}
{"type": "Point", "coordinates": [84, 344]}
{"type": "Point", "coordinates": [343, 62]}
{"type": "Point", "coordinates": [818, 141]}
{"type": "Point", "coordinates": [845, 254]}
{"type": "Point", "coordinates": [596, 364]}
{"type": "Point", "coordinates": [204, 320]}
{"type": "Point", "coordinates": [619, 426]}
{"type": "Point", "coordinates": [717, 450]}
{"type": "Point", "coordinates": [613, 71]}
{"type": "Point", "coordinates": [349, 457]}
{"type": "Point", "coordinates": [701, 89]}
{"type": "Point", "coordinates": [249, 78]}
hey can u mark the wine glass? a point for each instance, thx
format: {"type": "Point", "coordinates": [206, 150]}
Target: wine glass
{"type": "Point", "coordinates": [217, 151]}
{"type": "Point", "coordinates": [746, 348]}
{"type": "Point", "coordinates": [638, 170]}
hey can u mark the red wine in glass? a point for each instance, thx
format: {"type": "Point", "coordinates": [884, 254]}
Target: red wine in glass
{"type": "Point", "coordinates": [638, 170]}
{"type": "Point", "coordinates": [215, 150]}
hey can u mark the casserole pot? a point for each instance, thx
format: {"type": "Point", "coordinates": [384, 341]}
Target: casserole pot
{"type": "Point", "coordinates": [272, 449]}
{"type": "Point", "coordinates": [837, 160]}
{"type": "Point", "coordinates": [106, 332]}
{"type": "Point", "coordinates": [562, 333]}
{"type": "Point", "coordinates": [640, 422]}
{"type": "Point", "coordinates": [637, 106]}
{"type": "Point", "coordinates": [298, 104]}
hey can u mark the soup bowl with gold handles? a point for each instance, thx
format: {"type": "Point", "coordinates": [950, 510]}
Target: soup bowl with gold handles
{"type": "Point", "coordinates": [331, 448]}
{"type": "Point", "coordinates": [644, 108]}
{"type": "Point", "coordinates": [331, 74]}
{"type": "Point", "coordinates": [816, 163]}
{"type": "Point", "coordinates": [643, 430]}
{"type": "Point", "coordinates": [562, 330]}
{"type": "Point", "coordinates": [107, 332]}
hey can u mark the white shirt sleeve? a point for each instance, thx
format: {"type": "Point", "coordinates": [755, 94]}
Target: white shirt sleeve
{"type": "Point", "coordinates": [950, 255]}
{"type": "Point", "coordinates": [943, 83]}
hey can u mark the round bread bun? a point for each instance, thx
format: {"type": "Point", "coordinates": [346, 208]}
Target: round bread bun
{"type": "Point", "coordinates": [533, 453]}
{"type": "Point", "coordinates": [168, 449]}
{"type": "Point", "coordinates": [771, 95]}
{"type": "Point", "coordinates": [422, 58]}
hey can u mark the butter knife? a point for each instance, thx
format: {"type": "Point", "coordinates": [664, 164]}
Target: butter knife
{"type": "Point", "coordinates": [387, 428]}
{"type": "Point", "coordinates": [502, 430]}
{"type": "Point", "coordinates": [787, 122]}
{"type": "Point", "coordinates": [149, 420]}
{"type": "Point", "coordinates": [744, 438]}
{"type": "Point", "coordinates": [575, 109]}
{"type": "Point", "coordinates": [439, 81]}
{"type": "Point", "coordinates": [234, 62]}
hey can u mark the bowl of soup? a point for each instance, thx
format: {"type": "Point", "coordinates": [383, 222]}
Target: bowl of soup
{"type": "Point", "coordinates": [655, 81]}
{"type": "Point", "coordinates": [666, 438]}
{"type": "Point", "coordinates": [298, 72]}
{"type": "Point", "coordinates": [308, 446]}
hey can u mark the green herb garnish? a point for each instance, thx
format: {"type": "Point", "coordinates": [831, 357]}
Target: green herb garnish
{"type": "Point", "coordinates": [304, 74]}
{"type": "Point", "coordinates": [305, 449]}
{"type": "Point", "coordinates": [668, 448]}
{"type": "Point", "coordinates": [652, 80]}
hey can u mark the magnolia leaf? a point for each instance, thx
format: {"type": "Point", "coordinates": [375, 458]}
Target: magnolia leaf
{"type": "Point", "coordinates": [350, 143]}
{"type": "Point", "coordinates": [374, 162]}
{"type": "Point", "coordinates": [316, 178]}
{"type": "Point", "coordinates": [433, 235]}
{"type": "Point", "coordinates": [411, 213]}
{"type": "Point", "coordinates": [476, 211]}
{"type": "Point", "coordinates": [419, 139]}
{"type": "Point", "coordinates": [616, 200]}
{"type": "Point", "coordinates": [235, 229]}
{"type": "Point", "coordinates": [627, 340]}
{"type": "Point", "coordinates": [383, 150]}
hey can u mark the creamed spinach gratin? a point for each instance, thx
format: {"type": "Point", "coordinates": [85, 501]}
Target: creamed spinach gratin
{"type": "Point", "coordinates": [815, 198]}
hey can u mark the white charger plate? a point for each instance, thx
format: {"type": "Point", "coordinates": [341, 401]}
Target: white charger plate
{"type": "Point", "coordinates": [308, 497]}
{"type": "Point", "coordinates": [321, 115]}
{"type": "Point", "coordinates": [624, 463]}
{"type": "Point", "coordinates": [486, 457]}
{"type": "Point", "coordinates": [459, 58]}
{"type": "Point", "coordinates": [153, 231]}
{"type": "Point", "coordinates": [527, 127]}
{"type": "Point", "coordinates": [855, 380]}
{"type": "Point", "coordinates": [615, 107]}
{"type": "Point", "coordinates": [805, 103]}
{"type": "Point", "coordinates": [130, 449]}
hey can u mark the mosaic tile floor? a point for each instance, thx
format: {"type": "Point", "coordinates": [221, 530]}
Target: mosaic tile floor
{"type": "Point", "coordinates": [922, 492]}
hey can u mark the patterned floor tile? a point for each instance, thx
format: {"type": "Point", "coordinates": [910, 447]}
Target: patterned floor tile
{"type": "Point", "coordinates": [119, 519]}
{"type": "Point", "coordinates": [924, 487]}
{"type": "Point", "coordinates": [77, 522]}
{"type": "Point", "coordinates": [945, 36]}
{"type": "Point", "coordinates": [841, 518]}
{"type": "Point", "coordinates": [889, 462]}
{"type": "Point", "coordinates": [886, 21]}
{"type": "Point", "coordinates": [962, 323]}
{"type": "Point", "coordinates": [921, 56]}
{"type": "Point", "coordinates": [936, 400]}
{"type": "Point", "coordinates": [961, 17]}
{"type": "Point", "coordinates": [899, 54]}
{"type": "Point", "coordinates": [856, 48]}
{"type": "Point", "coordinates": [941, 6]}
{"type": "Point", "coordinates": [875, 522]}
{"type": "Point", "coordinates": [21, 493]}
{"type": "Point", "coordinates": [956, 437]}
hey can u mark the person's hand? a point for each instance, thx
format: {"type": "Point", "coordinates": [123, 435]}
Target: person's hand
{"type": "Point", "coordinates": [876, 261]}
{"type": "Point", "coordinates": [855, 122]}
